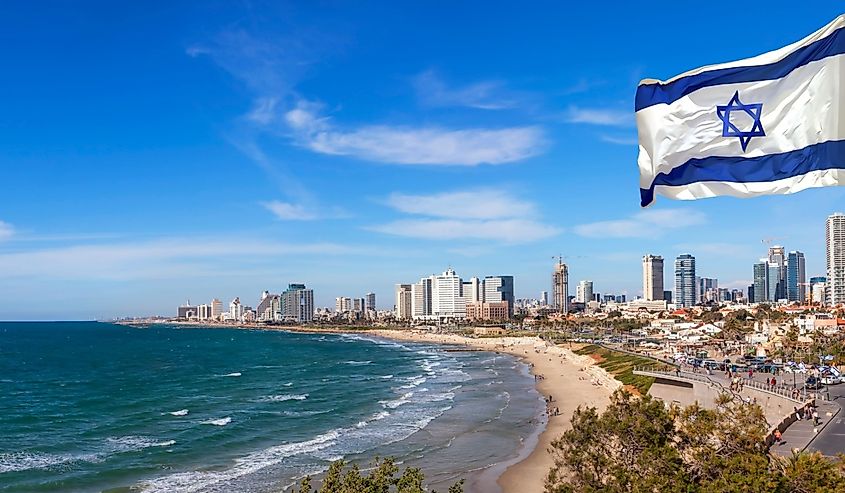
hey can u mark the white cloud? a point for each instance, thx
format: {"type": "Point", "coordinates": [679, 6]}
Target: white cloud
{"type": "Point", "coordinates": [624, 141]}
{"type": "Point", "coordinates": [263, 111]}
{"type": "Point", "coordinates": [289, 212]}
{"type": "Point", "coordinates": [600, 116]}
{"type": "Point", "coordinates": [410, 145]}
{"type": "Point", "coordinates": [484, 214]}
{"type": "Point", "coordinates": [718, 248]}
{"type": "Point", "coordinates": [476, 204]}
{"type": "Point", "coordinates": [6, 231]}
{"type": "Point", "coordinates": [485, 95]}
{"type": "Point", "coordinates": [156, 259]}
{"type": "Point", "coordinates": [502, 230]}
{"type": "Point", "coordinates": [644, 224]}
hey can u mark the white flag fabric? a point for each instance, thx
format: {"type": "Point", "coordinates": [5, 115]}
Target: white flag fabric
{"type": "Point", "coordinates": [772, 124]}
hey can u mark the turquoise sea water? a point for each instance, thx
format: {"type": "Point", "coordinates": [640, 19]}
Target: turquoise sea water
{"type": "Point", "coordinates": [101, 407]}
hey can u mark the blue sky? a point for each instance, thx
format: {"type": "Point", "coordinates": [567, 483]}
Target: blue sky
{"type": "Point", "coordinates": [158, 152]}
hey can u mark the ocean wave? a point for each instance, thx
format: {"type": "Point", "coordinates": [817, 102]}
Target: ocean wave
{"type": "Point", "coordinates": [375, 417]}
{"type": "Point", "coordinates": [181, 412]}
{"type": "Point", "coordinates": [357, 363]}
{"type": "Point", "coordinates": [414, 381]}
{"type": "Point", "coordinates": [387, 377]}
{"type": "Point", "coordinates": [397, 402]}
{"type": "Point", "coordinates": [283, 398]}
{"type": "Point", "coordinates": [288, 384]}
{"type": "Point", "coordinates": [218, 422]}
{"type": "Point", "coordinates": [193, 481]}
{"type": "Point", "coordinates": [24, 461]}
{"type": "Point", "coordinates": [235, 374]}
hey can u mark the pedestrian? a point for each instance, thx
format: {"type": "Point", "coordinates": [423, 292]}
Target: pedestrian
{"type": "Point", "coordinates": [816, 419]}
{"type": "Point", "coordinates": [778, 436]}
{"type": "Point", "coordinates": [774, 382]}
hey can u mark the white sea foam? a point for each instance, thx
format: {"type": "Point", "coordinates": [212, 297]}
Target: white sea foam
{"type": "Point", "coordinates": [235, 374]}
{"type": "Point", "coordinates": [283, 398]}
{"type": "Point", "coordinates": [181, 412]}
{"type": "Point", "coordinates": [357, 363]}
{"type": "Point", "coordinates": [397, 402]}
{"type": "Point", "coordinates": [288, 384]}
{"type": "Point", "coordinates": [189, 482]}
{"type": "Point", "coordinates": [387, 377]}
{"type": "Point", "coordinates": [218, 422]}
{"type": "Point", "coordinates": [415, 381]}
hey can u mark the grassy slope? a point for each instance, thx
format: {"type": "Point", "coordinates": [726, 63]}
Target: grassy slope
{"type": "Point", "coordinates": [621, 366]}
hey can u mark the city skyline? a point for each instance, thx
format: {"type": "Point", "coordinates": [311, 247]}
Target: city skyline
{"type": "Point", "coordinates": [209, 152]}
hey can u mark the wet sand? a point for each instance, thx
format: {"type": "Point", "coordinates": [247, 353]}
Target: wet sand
{"type": "Point", "coordinates": [570, 379]}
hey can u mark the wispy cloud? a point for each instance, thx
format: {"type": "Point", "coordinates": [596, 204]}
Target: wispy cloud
{"type": "Point", "coordinates": [475, 204]}
{"type": "Point", "coordinates": [486, 95]}
{"type": "Point", "coordinates": [718, 248]}
{"type": "Point", "coordinates": [414, 145]}
{"type": "Point", "coordinates": [6, 231]}
{"type": "Point", "coordinates": [500, 230]}
{"type": "Point", "coordinates": [289, 212]}
{"type": "Point", "coordinates": [624, 141]}
{"type": "Point", "coordinates": [645, 224]}
{"type": "Point", "coordinates": [600, 116]}
{"type": "Point", "coordinates": [155, 259]}
{"type": "Point", "coordinates": [484, 214]}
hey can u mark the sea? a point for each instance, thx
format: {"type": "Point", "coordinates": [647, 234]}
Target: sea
{"type": "Point", "coordinates": [88, 406]}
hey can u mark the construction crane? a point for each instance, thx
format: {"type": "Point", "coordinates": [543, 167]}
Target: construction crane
{"type": "Point", "coordinates": [770, 240]}
{"type": "Point", "coordinates": [561, 257]}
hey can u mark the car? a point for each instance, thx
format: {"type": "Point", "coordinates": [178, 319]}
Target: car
{"type": "Point", "coordinates": [830, 379]}
{"type": "Point", "coordinates": [813, 383]}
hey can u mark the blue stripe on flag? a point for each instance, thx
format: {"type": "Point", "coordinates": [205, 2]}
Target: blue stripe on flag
{"type": "Point", "coordinates": [652, 94]}
{"type": "Point", "coordinates": [771, 167]}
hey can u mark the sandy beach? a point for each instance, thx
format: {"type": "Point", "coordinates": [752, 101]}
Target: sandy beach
{"type": "Point", "coordinates": [570, 379]}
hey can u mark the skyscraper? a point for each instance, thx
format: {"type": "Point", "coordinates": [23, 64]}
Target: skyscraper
{"type": "Point", "coordinates": [777, 263]}
{"type": "Point", "coordinates": [835, 246]}
{"type": "Point", "coordinates": [498, 289]}
{"type": "Point", "coordinates": [685, 287]}
{"type": "Point", "coordinates": [544, 298]}
{"type": "Point", "coordinates": [761, 282]}
{"type": "Point", "coordinates": [370, 302]}
{"type": "Point", "coordinates": [796, 277]}
{"type": "Point", "coordinates": [404, 297]}
{"type": "Point", "coordinates": [584, 292]}
{"type": "Point", "coordinates": [560, 288]}
{"type": "Point", "coordinates": [652, 277]}
{"type": "Point", "coordinates": [446, 300]}
{"type": "Point", "coordinates": [298, 304]}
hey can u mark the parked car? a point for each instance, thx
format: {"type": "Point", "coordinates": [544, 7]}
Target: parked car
{"type": "Point", "coordinates": [813, 383]}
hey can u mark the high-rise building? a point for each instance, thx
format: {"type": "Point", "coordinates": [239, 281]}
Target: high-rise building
{"type": "Point", "coordinates": [652, 277]}
{"type": "Point", "coordinates": [236, 310]}
{"type": "Point", "coordinates": [216, 308]}
{"type": "Point", "coordinates": [835, 247]}
{"type": "Point", "coordinates": [560, 288]}
{"type": "Point", "coordinates": [473, 290]}
{"type": "Point", "coordinates": [269, 308]}
{"type": "Point", "coordinates": [499, 289]}
{"type": "Point", "coordinates": [404, 302]}
{"type": "Point", "coordinates": [708, 289]}
{"type": "Point", "coordinates": [298, 303]}
{"type": "Point", "coordinates": [342, 304]}
{"type": "Point", "coordinates": [370, 302]}
{"type": "Point", "coordinates": [685, 287]}
{"type": "Point", "coordinates": [667, 296]}
{"type": "Point", "coordinates": [544, 298]}
{"type": "Point", "coordinates": [777, 261]}
{"type": "Point", "coordinates": [760, 293]}
{"type": "Point", "coordinates": [447, 301]}
{"type": "Point", "coordinates": [421, 297]}
{"type": "Point", "coordinates": [584, 292]}
{"type": "Point", "coordinates": [796, 277]}
{"type": "Point", "coordinates": [187, 311]}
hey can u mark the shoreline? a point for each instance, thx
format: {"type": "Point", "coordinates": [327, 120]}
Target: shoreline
{"type": "Point", "coordinates": [564, 373]}
{"type": "Point", "coordinates": [527, 472]}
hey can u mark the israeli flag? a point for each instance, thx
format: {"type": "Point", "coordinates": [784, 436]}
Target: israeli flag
{"type": "Point", "coordinates": [772, 124]}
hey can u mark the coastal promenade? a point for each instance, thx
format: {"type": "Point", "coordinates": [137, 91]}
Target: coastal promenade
{"type": "Point", "coordinates": [779, 403]}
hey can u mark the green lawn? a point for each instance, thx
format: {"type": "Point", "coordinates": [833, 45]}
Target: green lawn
{"type": "Point", "coordinates": [621, 366]}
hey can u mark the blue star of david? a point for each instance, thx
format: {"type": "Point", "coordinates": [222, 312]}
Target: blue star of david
{"type": "Point", "coordinates": [730, 130]}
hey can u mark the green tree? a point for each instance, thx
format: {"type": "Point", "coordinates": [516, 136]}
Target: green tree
{"type": "Point", "coordinates": [638, 445]}
{"type": "Point", "coordinates": [381, 479]}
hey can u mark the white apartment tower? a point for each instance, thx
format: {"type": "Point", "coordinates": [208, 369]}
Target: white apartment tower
{"type": "Point", "coordinates": [404, 302]}
{"type": "Point", "coordinates": [653, 277]}
{"type": "Point", "coordinates": [447, 300]}
{"type": "Point", "coordinates": [835, 246]}
{"type": "Point", "coordinates": [584, 292]}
